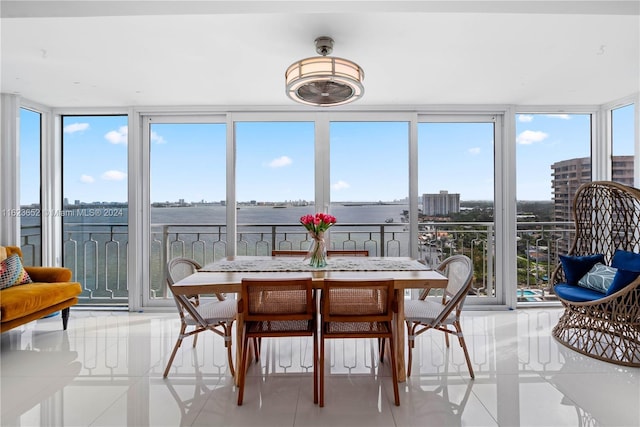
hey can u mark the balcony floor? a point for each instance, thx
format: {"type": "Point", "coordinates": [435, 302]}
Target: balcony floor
{"type": "Point", "coordinates": [106, 370]}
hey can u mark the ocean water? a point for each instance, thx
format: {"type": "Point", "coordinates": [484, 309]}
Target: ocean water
{"type": "Point", "coordinates": [347, 213]}
{"type": "Point", "coordinates": [376, 213]}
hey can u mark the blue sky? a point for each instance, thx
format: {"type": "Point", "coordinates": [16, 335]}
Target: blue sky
{"type": "Point", "coordinates": [275, 160]}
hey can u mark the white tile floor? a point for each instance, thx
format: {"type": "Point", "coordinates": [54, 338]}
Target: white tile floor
{"type": "Point", "coordinates": [106, 370]}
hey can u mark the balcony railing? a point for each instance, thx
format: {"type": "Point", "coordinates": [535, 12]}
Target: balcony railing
{"type": "Point", "coordinates": [97, 253]}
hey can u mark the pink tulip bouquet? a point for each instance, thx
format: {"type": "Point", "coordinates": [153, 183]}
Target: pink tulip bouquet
{"type": "Point", "coordinates": [316, 225]}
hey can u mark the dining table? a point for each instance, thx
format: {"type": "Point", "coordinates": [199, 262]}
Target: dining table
{"type": "Point", "coordinates": [225, 276]}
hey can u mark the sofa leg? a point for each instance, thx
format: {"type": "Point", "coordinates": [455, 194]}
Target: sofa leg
{"type": "Point", "coordinates": [65, 318]}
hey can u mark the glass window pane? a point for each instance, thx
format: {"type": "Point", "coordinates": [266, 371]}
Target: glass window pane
{"type": "Point", "coordinates": [188, 195]}
{"type": "Point", "coordinates": [553, 158]}
{"type": "Point", "coordinates": [94, 188]}
{"type": "Point", "coordinates": [456, 190]}
{"type": "Point", "coordinates": [369, 178]}
{"type": "Point", "coordinates": [30, 213]}
{"type": "Point", "coordinates": [274, 185]}
{"type": "Point", "coordinates": [622, 162]}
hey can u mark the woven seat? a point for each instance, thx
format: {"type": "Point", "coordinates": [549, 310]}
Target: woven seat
{"type": "Point", "coordinates": [607, 218]}
{"type": "Point", "coordinates": [424, 314]}
{"type": "Point", "coordinates": [216, 316]}
{"type": "Point", "coordinates": [358, 309]}
{"type": "Point", "coordinates": [277, 308]}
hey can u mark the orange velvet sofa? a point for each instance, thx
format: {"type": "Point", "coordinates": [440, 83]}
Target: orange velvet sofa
{"type": "Point", "coordinates": [52, 290]}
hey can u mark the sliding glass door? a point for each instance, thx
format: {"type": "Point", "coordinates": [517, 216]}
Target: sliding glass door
{"type": "Point", "coordinates": [187, 194]}
{"type": "Point", "coordinates": [456, 191]}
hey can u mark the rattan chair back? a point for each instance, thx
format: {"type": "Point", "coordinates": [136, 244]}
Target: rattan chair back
{"type": "Point", "coordinates": [357, 301]}
{"type": "Point", "coordinates": [607, 217]}
{"type": "Point", "coordinates": [277, 299]}
{"type": "Point", "coordinates": [459, 272]}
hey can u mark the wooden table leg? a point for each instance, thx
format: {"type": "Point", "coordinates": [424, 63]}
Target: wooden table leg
{"type": "Point", "coordinates": [399, 336]}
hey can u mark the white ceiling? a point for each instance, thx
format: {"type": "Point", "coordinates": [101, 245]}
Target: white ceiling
{"type": "Point", "coordinates": [234, 53]}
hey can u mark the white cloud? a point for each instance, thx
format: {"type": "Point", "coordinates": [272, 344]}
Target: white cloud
{"type": "Point", "coordinates": [474, 150]}
{"type": "Point", "coordinates": [559, 116]}
{"type": "Point", "coordinates": [75, 127]}
{"type": "Point", "coordinates": [340, 185]}
{"type": "Point", "coordinates": [158, 139]}
{"type": "Point", "coordinates": [525, 118]}
{"type": "Point", "coordinates": [118, 136]}
{"type": "Point", "coordinates": [114, 175]}
{"type": "Point", "coordinates": [87, 179]}
{"type": "Point", "coordinates": [280, 162]}
{"type": "Point", "coordinates": [531, 136]}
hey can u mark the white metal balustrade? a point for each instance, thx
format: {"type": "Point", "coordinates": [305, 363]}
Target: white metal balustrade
{"type": "Point", "coordinates": [97, 253]}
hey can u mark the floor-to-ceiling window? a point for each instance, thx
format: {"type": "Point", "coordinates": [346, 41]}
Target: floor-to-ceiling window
{"type": "Point", "coordinates": [369, 186]}
{"type": "Point", "coordinates": [94, 207]}
{"type": "Point", "coordinates": [187, 193]}
{"type": "Point", "coordinates": [456, 185]}
{"type": "Point", "coordinates": [274, 185]}
{"type": "Point", "coordinates": [367, 175]}
{"type": "Point", "coordinates": [30, 167]}
{"type": "Point", "coordinates": [553, 158]}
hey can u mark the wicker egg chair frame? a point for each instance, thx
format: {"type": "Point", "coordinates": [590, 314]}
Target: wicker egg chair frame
{"type": "Point", "coordinates": [607, 217]}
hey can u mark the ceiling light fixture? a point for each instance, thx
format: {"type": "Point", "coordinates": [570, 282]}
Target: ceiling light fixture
{"type": "Point", "coordinates": [324, 81]}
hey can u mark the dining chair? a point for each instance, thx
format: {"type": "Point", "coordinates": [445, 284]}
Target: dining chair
{"type": "Point", "coordinates": [195, 317]}
{"type": "Point", "coordinates": [425, 314]}
{"type": "Point", "coordinates": [358, 309]}
{"type": "Point", "coordinates": [331, 252]}
{"type": "Point", "coordinates": [273, 307]}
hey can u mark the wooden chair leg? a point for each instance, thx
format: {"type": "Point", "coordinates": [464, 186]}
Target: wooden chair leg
{"type": "Point", "coordinates": [411, 344]}
{"type": "Point", "coordinates": [257, 342]}
{"type": "Point", "coordinates": [175, 350]}
{"type": "Point", "coordinates": [227, 343]}
{"type": "Point", "coordinates": [242, 370]}
{"type": "Point", "coordinates": [463, 344]}
{"type": "Point", "coordinates": [321, 371]}
{"type": "Point", "coordinates": [315, 368]}
{"type": "Point", "coordinates": [394, 373]}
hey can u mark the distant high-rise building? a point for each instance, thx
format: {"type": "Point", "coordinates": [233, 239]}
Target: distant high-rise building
{"type": "Point", "coordinates": [439, 204]}
{"type": "Point", "coordinates": [570, 174]}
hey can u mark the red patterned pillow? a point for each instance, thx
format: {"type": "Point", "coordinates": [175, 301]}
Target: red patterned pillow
{"type": "Point", "coordinates": [12, 272]}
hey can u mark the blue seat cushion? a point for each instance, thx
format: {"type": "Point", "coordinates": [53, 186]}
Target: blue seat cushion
{"type": "Point", "coordinates": [575, 267]}
{"type": "Point", "coordinates": [576, 293]}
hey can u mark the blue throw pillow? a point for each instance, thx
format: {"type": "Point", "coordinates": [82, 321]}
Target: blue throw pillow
{"type": "Point", "coordinates": [575, 267]}
{"type": "Point", "coordinates": [599, 278]}
{"type": "Point", "coordinates": [622, 279]}
{"type": "Point", "coordinates": [626, 260]}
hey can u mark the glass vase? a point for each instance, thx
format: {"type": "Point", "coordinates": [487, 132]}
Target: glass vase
{"type": "Point", "coordinates": [317, 254]}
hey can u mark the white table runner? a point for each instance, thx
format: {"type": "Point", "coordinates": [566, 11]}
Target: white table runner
{"type": "Point", "coordinates": [298, 264]}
